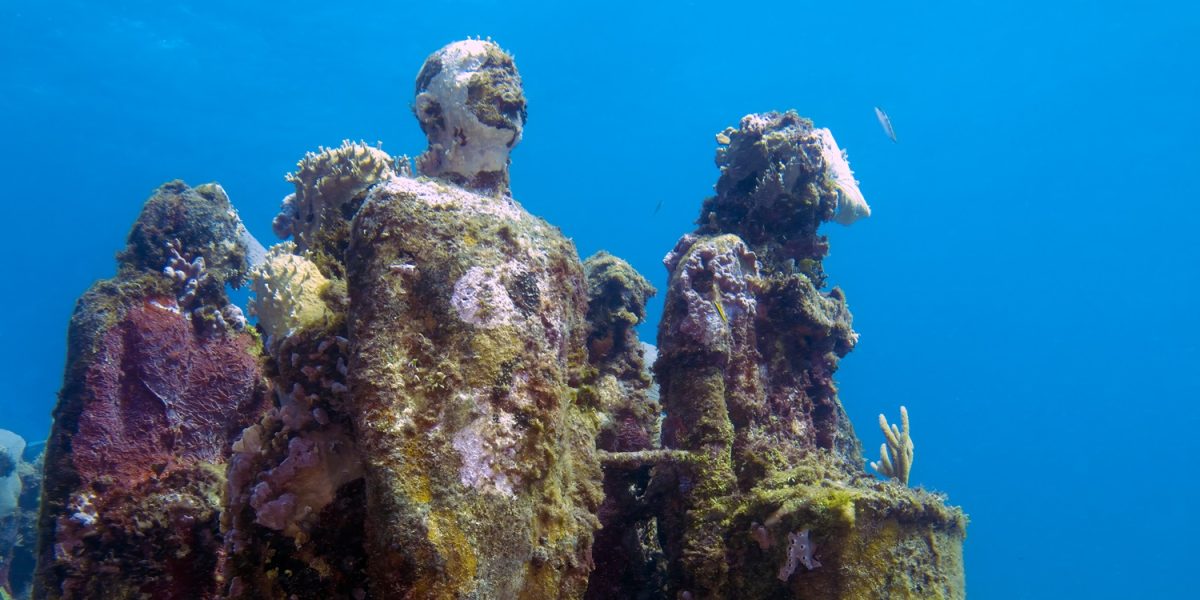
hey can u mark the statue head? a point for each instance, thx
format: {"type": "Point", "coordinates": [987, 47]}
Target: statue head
{"type": "Point", "coordinates": [471, 107]}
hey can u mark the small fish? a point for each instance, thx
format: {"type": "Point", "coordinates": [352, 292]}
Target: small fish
{"type": "Point", "coordinates": [717, 303]}
{"type": "Point", "coordinates": [886, 123]}
{"type": "Point", "coordinates": [658, 207]}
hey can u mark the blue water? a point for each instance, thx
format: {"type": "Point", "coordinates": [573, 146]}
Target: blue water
{"type": "Point", "coordinates": [1027, 285]}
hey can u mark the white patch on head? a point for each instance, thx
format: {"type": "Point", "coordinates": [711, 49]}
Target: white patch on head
{"type": "Point", "coordinates": [468, 146]}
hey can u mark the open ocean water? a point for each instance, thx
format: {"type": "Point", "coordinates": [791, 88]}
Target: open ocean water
{"type": "Point", "coordinates": [1027, 285]}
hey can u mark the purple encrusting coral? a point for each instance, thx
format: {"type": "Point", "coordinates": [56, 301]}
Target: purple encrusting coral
{"type": "Point", "coordinates": [295, 483]}
{"type": "Point", "coordinates": [800, 552]}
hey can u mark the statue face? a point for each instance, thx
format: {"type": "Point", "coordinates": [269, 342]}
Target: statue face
{"type": "Point", "coordinates": [471, 107]}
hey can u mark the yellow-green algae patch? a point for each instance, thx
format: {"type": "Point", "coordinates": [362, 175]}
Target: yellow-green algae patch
{"type": "Point", "coordinates": [874, 539]}
{"type": "Point", "coordinates": [288, 290]}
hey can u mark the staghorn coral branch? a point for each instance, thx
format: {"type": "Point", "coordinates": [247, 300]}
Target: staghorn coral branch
{"type": "Point", "coordinates": [901, 446]}
{"type": "Point", "coordinates": [884, 465]}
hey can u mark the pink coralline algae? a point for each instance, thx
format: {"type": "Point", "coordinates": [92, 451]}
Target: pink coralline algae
{"type": "Point", "coordinates": [714, 278]}
{"type": "Point", "coordinates": [800, 552]}
{"type": "Point", "coordinates": [159, 395]}
{"type": "Point", "coordinates": [148, 460]}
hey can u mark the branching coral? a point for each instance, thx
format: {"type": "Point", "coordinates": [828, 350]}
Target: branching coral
{"type": "Point", "coordinates": [189, 275]}
{"type": "Point", "coordinates": [901, 445]}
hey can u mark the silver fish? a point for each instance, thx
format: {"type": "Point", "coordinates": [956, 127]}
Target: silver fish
{"type": "Point", "coordinates": [886, 123]}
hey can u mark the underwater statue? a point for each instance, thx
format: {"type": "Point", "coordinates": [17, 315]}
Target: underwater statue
{"type": "Point", "coordinates": [427, 377]}
{"type": "Point", "coordinates": [439, 399]}
{"type": "Point", "coordinates": [770, 496]}
{"type": "Point", "coordinates": [162, 375]}
{"type": "Point", "coordinates": [467, 320]}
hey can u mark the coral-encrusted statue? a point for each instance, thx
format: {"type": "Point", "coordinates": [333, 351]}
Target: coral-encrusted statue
{"type": "Point", "coordinates": [426, 339]}
{"type": "Point", "coordinates": [158, 384]}
{"type": "Point", "coordinates": [467, 329]}
{"type": "Point", "coordinates": [773, 477]}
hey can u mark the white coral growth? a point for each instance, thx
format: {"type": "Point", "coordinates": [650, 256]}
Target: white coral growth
{"type": "Point", "coordinates": [287, 293]}
{"type": "Point", "coordinates": [325, 182]}
{"type": "Point", "coordinates": [852, 206]}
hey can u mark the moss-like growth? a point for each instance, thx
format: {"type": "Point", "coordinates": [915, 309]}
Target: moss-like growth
{"type": "Point", "coordinates": [494, 93]}
{"type": "Point", "coordinates": [204, 223]}
{"type": "Point", "coordinates": [874, 539]}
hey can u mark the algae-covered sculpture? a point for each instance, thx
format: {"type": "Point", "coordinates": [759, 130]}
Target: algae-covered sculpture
{"type": "Point", "coordinates": [158, 384]}
{"type": "Point", "coordinates": [748, 346]}
{"type": "Point", "coordinates": [427, 440]}
{"type": "Point", "coordinates": [467, 328]}
{"type": "Point", "coordinates": [440, 400]}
